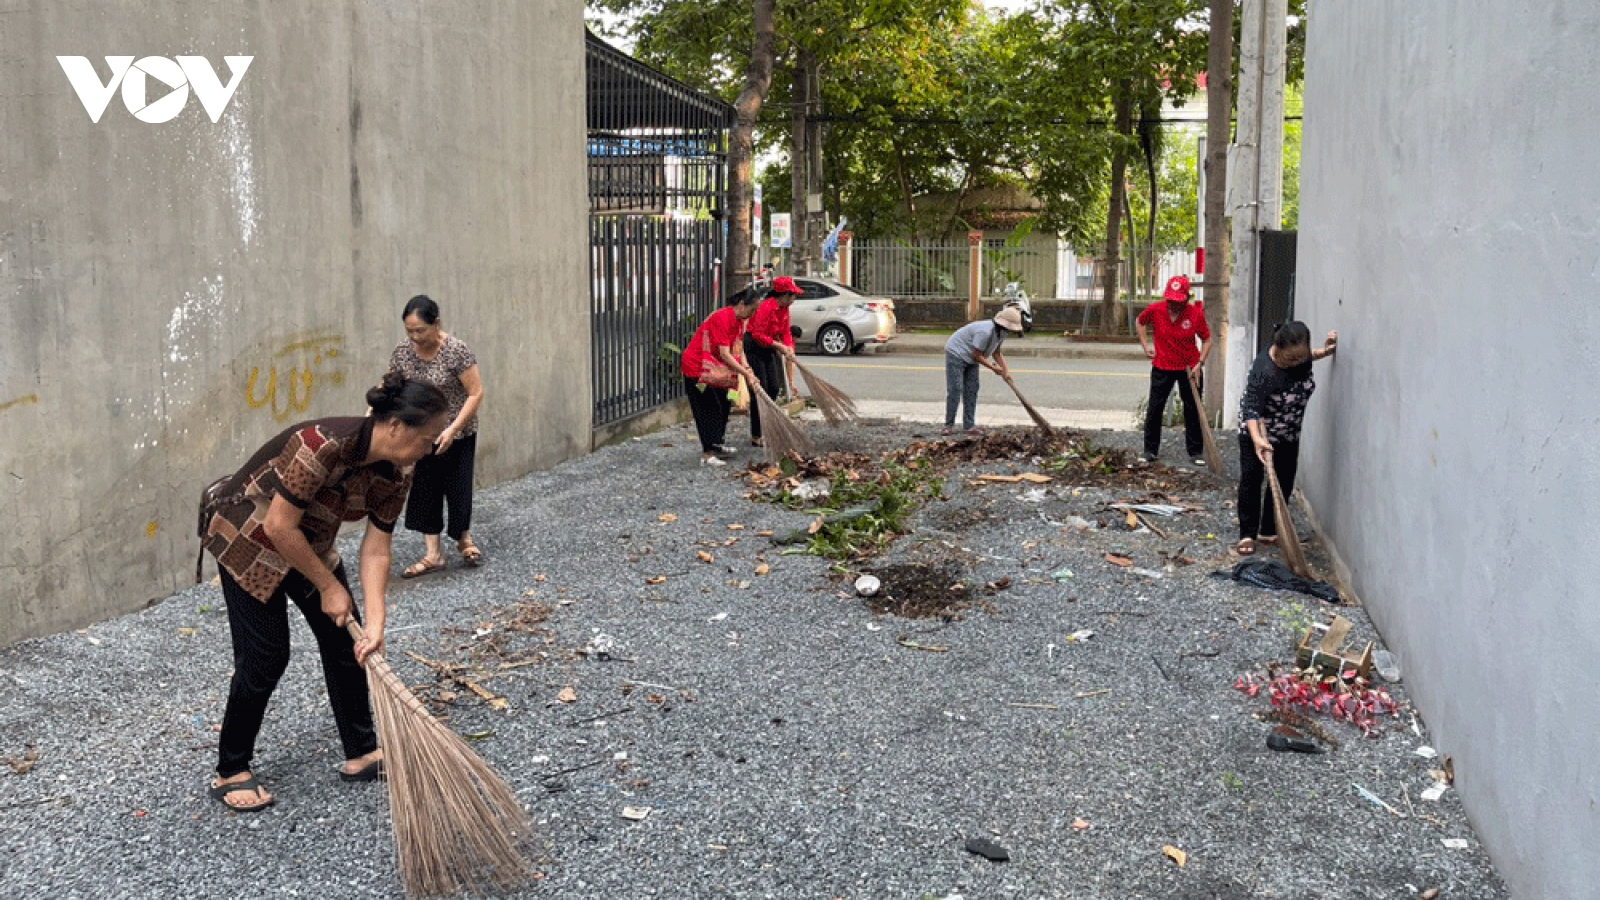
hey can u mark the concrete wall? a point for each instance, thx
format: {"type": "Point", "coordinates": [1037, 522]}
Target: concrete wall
{"type": "Point", "coordinates": [173, 294]}
{"type": "Point", "coordinates": [1450, 196]}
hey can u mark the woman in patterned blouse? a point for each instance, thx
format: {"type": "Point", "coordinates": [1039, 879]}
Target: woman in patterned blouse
{"type": "Point", "coordinates": [274, 542]}
{"type": "Point", "coordinates": [1273, 408]}
{"type": "Point", "coordinates": [445, 477]}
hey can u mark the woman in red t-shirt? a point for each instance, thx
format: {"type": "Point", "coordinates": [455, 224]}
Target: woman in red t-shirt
{"type": "Point", "coordinates": [1177, 323]}
{"type": "Point", "coordinates": [767, 338]}
{"type": "Point", "coordinates": [717, 338]}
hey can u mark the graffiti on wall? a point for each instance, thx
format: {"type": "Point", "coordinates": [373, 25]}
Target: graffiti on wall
{"type": "Point", "coordinates": [293, 373]}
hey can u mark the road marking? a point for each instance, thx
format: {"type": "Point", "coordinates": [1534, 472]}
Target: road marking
{"type": "Point", "coordinates": [1014, 371]}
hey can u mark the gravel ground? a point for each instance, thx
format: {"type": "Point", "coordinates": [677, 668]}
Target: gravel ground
{"type": "Point", "coordinates": [787, 741]}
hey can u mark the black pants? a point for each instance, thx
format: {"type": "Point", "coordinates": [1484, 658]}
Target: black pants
{"type": "Point", "coordinates": [767, 363]}
{"type": "Point", "coordinates": [1161, 382]}
{"type": "Point", "coordinates": [440, 479]}
{"type": "Point", "coordinates": [260, 655]}
{"type": "Point", "coordinates": [711, 408]}
{"type": "Point", "coordinates": [1255, 494]}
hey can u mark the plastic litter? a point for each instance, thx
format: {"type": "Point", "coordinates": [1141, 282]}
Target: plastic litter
{"type": "Point", "coordinates": [987, 849]}
{"type": "Point", "coordinates": [1388, 668]}
{"type": "Point", "coordinates": [868, 586]}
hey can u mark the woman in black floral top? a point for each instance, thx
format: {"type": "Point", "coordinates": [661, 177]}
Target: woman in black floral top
{"type": "Point", "coordinates": [1270, 415]}
{"type": "Point", "coordinates": [444, 477]}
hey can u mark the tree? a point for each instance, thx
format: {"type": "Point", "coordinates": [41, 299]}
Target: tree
{"type": "Point", "coordinates": [741, 142]}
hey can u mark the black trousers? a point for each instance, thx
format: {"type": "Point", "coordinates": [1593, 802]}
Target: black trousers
{"type": "Point", "coordinates": [1255, 493]}
{"type": "Point", "coordinates": [767, 363]}
{"type": "Point", "coordinates": [441, 479]}
{"type": "Point", "coordinates": [260, 656]}
{"type": "Point", "coordinates": [1161, 382]}
{"type": "Point", "coordinates": [711, 408]}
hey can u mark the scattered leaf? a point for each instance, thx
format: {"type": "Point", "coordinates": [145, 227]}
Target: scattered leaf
{"type": "Point", "coordinates": [765, 533]}
{"type": "Point", "coordinates": [763, 569]}
{"type": "Point", "coordinates": [656, 579]}
{"type": "Point", "coordinates": [815, 526]}
{"type": "Point", "coordinates": [655, 698]}
{"type": "Point", "coordinates": [479, 735]}
{"type": "Point", "coordinates": [1117, 559]}
{"type": "Point", "coordinates": [530, 592]}
{"type": "Point", "coordinates": [541, 578]}
{"type": "Point", "coordinates": [735, 527]}
{"type": "Point", "coordinates": [635, 813]}
{"type": "Point", "coordinates": [139, 814]}
{"type": "Point", "coordinates": [1133, 521]}
{"type": "Point", "coordinates": [1176, 855]}
{"type": "Point", "coordinates": [667, 517]}
{"type": "Point", "coordinates": [186, 632]}
{"type": "Point", "coordinates": [704, 556]}
{"type": "Point", "coordinates": [567, 695]}
{"type": "Point", "coordinates": [1081, 825]}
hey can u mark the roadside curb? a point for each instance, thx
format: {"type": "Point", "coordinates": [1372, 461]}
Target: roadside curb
{"type": "Point", "coordinates": [1022, 349]}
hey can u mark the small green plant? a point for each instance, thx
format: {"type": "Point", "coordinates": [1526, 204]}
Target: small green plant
{"type": "Point", "coordinates": [1232, 782]}
{"type": "Point", "coordinates": [1297, 619]}
{"type": "Point", "coordinates": [203, 608]}
{"type": "Point", "coordinates": [892, 496]}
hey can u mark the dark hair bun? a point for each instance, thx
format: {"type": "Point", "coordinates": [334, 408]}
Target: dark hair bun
{"type": "Point", "coordinates": [383, 397]}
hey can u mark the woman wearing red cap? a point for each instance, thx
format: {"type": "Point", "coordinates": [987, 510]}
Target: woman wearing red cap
{"type": "Point", "coordinates": [716, 341]}
{"type": "Point", "coordinates": [1177, 323]}
{"type": "Point", "coordinates": [767, 337]}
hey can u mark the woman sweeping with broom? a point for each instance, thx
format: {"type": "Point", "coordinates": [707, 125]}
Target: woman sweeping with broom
{"type": "Point", "coordinates": [1270, 416]}
{"type": "Point", "coordinates": [970, 347]}
{"type": "Point", "coordinates": [711, 368]}
{"type": "Point", "coordinates": [272, 533]}
{"type": "Point", "coordinates": [767, 340]}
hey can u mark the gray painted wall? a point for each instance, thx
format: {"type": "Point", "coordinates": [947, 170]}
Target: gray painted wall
{"type": "Point", "coordinates": [173, 294]}
{"type": "Point", "coordinates": [1450, 197]}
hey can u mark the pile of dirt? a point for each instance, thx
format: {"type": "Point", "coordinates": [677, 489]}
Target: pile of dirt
{"type": "Point", "coordinates": [923, 590]}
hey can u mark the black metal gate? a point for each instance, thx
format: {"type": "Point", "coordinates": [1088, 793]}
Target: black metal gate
{"type": "Point", "coordinates": [657, 190]}
{"type": "Point", "coordinates": [1275, 290]}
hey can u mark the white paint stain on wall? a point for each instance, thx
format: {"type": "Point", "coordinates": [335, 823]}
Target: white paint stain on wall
{"type": "Point", "coordinates": [239, 154]}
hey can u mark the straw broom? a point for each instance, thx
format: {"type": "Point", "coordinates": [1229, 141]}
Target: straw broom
{"type": "Point", "coordinates": [1213, 455]}
{"type": "Point", "coordinates": [780, 434]}
{"type": "Point", "coordinates": [834, 404]}
{"type": "Point", "coordinates": [1293, 555]}
{"type": "Point", "coordinates": [457, 827]}
{"type": "Point", "coordinates": [1033, 413]}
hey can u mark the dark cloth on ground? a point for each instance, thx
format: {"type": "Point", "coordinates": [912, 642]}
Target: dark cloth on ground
{"type": "Point", "coordinates": [1257, 516]}
{"type": "Point", "coordinates": [443, 480]}
{"type": "Point", "coordinates": [260, 633]}
{"type": "Point", "coordinates": [711, 408]}
{"type": "Point", "coordinates": [1161, 382]}
{"type": "Point", "coordinates": [767, 363]}
{"type": "Point", "coordinates": [1275, 576]}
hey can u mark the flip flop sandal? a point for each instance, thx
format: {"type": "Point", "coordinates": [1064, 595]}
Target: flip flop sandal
{"type": "Point", "coordinates": [422, 567]}
{"type": "Point", "coordinates": [1245, 547]}
{"type": "Point", "coordinates": [1271, 540]}
{"type": "Point", "coordinates": [220, 793]}
{"type": "Point", "coordinates": [372, 771]}
{"type": "Point", "coordinates": [470, 554]}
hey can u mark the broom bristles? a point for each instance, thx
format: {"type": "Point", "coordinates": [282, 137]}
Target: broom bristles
{"type": "Point", "coordinates": [1213, 455]}
{"type": "Point", "coordinates": [1289, 539]}
{"type": "Point", "coordinates": [835, 405]}
{"type": "Point", "coordinates": [780, 434]}
{"type": "Point", "coordinates": [457, 826]}
{"type": "Point", "coordinates": [1038, 419]}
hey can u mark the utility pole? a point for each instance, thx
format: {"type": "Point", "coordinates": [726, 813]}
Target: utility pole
{"type": "Point", "coordinates": [1219, 117]}
{"type": "Point", "coordinates": [1256, 190]}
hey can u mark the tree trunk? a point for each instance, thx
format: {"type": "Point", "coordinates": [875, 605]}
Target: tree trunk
{"type": "Point", "coordinates": [741, 145]}
{"type": "Point", "coordinates": [802, 156]}
{"type": "Point", "coordinates": [1119, 168]}
{"type": "Point", "coordinates": [1219, 112]}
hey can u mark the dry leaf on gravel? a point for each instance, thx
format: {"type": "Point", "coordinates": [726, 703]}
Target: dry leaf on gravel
{"type": "Point", "coordinates": [1133, 520]}
{"type": "Point", "coordinates": [667, 517]}
{"type": "Point", "coordinates": [815, 526]}
{"type": "Point", "coordinates": [656, 579]}
{"type": "Point", "coordinates": [704, 556]}
{"type": "Point", "coordinates": [1117, 559]}
{"type": "Point", "coordinates": [763, 569]}
{"type": "Point", "coordinates": [1176, 855]}
{"type": "Point", "coordinates": [1081, 825]}
{"type": "Point", "coordinates": [736, 527]}
{"type": "Point", "coordinates": [567, 695]}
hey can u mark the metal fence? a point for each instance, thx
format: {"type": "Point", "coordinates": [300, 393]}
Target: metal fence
{"type": "Point", "coordinates": [657, 190]}
{"type": "Point", "coordinates": [901, 270]}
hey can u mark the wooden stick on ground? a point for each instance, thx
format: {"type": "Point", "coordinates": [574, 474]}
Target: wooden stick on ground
{"type": "Point", "coordinates": [458, 828]}
{"type": "Point", "coordinates": [1213, 455]}
{"type": "Point", "coordinates": [1038, 419]}
{"type": "Point", "coordinates": [1293, 556]}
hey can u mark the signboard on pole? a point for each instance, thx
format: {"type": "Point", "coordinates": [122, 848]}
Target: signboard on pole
{"type": "Point", "coordinates": [755, 220]}
{"type": "Point", "coordinates": [780, 231]}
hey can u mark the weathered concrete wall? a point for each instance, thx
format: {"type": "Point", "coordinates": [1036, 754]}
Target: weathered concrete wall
{"type": "Point", "coordinates": [173, 294]}
{"type": "Point", "coordinates": [1450, 198]}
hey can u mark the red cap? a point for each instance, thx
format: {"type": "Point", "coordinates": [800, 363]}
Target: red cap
{"type": "Point", "coordinates": [783, 284]}
{"type": "Point", "coordinates": [1177, 288]}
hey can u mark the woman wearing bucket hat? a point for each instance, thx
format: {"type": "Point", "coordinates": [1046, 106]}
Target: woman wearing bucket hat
{"type": "Point", "coordinates": [970, 347]}
{"type": "Point", "coordinates": [1177, 324]}
{"type": "Point", "coordinates": [766, 338]}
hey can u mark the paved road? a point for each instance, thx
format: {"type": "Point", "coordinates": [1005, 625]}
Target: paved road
{"type": "Point", "coordinates": [1077, 392]}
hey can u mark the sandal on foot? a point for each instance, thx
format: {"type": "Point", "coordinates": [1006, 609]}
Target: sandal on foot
{"type": "Point", "coordinates": [372, 771]}
{"type": "Point", "coordinates": [1245, 547]}
{"type": "Point", "coordinates": [220, 792]}
{"type": "Point", "coordinates": [470, 554]}
{"type": "Point", "coordinates": [1271, 540]}
{"type": "Point", "coordinates": [422, 567]}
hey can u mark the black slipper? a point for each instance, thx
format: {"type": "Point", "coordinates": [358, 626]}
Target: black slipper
{"type": "Point", "coordinates": [372, 771]}
{"type": "Point", "coordinates": [220, 794]}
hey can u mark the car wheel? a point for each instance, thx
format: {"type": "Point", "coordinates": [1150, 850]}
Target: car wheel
{"type": "Point", "coordinates": [834, 340]}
